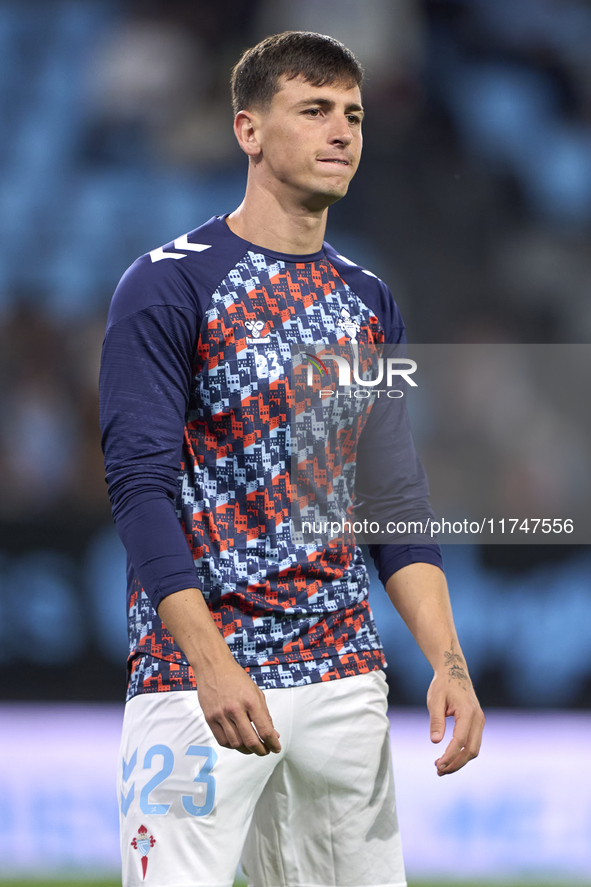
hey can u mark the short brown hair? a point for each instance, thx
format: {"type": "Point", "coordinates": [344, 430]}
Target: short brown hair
{"type": "Point", "coordinates": [317, 58]}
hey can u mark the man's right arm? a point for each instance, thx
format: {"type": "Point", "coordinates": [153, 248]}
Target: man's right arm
{"type": "Point", "coordinates": [145, 380]}
{"type": "Point", "coordinates": [234, 707]}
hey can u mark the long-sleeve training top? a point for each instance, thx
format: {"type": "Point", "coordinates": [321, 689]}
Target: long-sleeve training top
{"type": "Point", "coordinates": [196, 403]}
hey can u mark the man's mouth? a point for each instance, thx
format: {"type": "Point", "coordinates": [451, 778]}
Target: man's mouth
{"type": "Point", "coordinates": [333, 160]}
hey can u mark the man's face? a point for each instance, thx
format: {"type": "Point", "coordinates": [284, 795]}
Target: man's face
{"type": "Point", "coordinates": [310, 140]}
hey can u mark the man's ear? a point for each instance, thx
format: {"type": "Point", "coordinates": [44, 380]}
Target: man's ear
{"type": "Point", "coordinates": [246, 130]}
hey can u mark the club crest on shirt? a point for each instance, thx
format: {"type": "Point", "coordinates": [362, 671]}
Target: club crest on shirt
{"type": "Point", "coordinates": [348, 325]}
{"type": "Point", "coordinates": [144, 843]}
{"type": "Point", "coordinates": [256, 327]}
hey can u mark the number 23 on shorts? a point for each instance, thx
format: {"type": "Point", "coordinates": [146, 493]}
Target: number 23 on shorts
{"type": "Point", "coordinates": [204, 780]}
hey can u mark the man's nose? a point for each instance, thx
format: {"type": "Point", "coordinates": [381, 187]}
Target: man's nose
{"type": "Point", "coordinates": [340, 131]}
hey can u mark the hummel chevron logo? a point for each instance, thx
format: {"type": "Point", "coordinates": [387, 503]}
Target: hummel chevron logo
{"type": "Point", "coordinates": [127, 799]}
{"type": "Point", "coordinates": [183, 243]}
{"type": "Point", "coordinates": [128, 768]}
{"type": "Point", "coordinates": [127, 771]}
{"type": "Point", "coordinates": [180, 243]}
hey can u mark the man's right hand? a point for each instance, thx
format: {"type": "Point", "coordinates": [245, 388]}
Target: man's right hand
{"type": "Point", "coordinates": [236, 710]}
{"type": "Point", "coordinates": [233, 706]}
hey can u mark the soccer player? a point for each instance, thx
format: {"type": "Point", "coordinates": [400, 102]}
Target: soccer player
{"type": "Point", "coordinates": [284, 748]}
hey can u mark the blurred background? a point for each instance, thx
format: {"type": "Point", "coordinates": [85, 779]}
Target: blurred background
{"type": "Point", "coordinates": [473, 202]}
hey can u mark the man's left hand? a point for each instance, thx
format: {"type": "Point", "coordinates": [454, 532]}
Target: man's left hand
{"type": "Point", "coordinates": [449, 697]}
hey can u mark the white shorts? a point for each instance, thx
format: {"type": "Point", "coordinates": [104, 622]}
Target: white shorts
{"type": "Point", "coordinates": [321, 812]}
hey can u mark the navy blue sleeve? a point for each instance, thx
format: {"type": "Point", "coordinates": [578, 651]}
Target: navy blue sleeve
{"type": "Point", "coordinates": [397, 479]}
{"type": "Point", "coordinates": [144, 389]}
{"type": "Point", "coordinates": [148, 352]}
{"type": "Point", "coordinates": [391, 485]}
{"type": "Point", "coordinates": [390, 480]}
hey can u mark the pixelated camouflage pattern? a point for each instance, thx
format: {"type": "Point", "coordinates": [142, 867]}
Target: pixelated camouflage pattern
{"type": "Point", "coordinates": [325, 431]}
{"type": "Point", "coordinates": [291, 613]}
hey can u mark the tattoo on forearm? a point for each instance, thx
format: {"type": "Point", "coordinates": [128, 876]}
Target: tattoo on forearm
{"type": "Point", "coordinates": [455, 667]}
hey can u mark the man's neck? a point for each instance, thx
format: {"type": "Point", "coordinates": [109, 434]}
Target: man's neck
{"type": "Point", "coordinates": [280, 226]}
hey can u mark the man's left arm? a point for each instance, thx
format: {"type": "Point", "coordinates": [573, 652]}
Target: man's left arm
{"type": "Point", "coordinates": [419, 593]}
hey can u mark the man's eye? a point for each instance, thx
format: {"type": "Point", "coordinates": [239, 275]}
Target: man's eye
{"type": "Point", "coordinates": [313, 112]}
{"type": "Point", "coordinates": [354, 119]}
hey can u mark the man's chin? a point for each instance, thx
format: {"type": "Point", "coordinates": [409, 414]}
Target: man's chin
{"type": "Point", "coordinates": [322, 199]}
